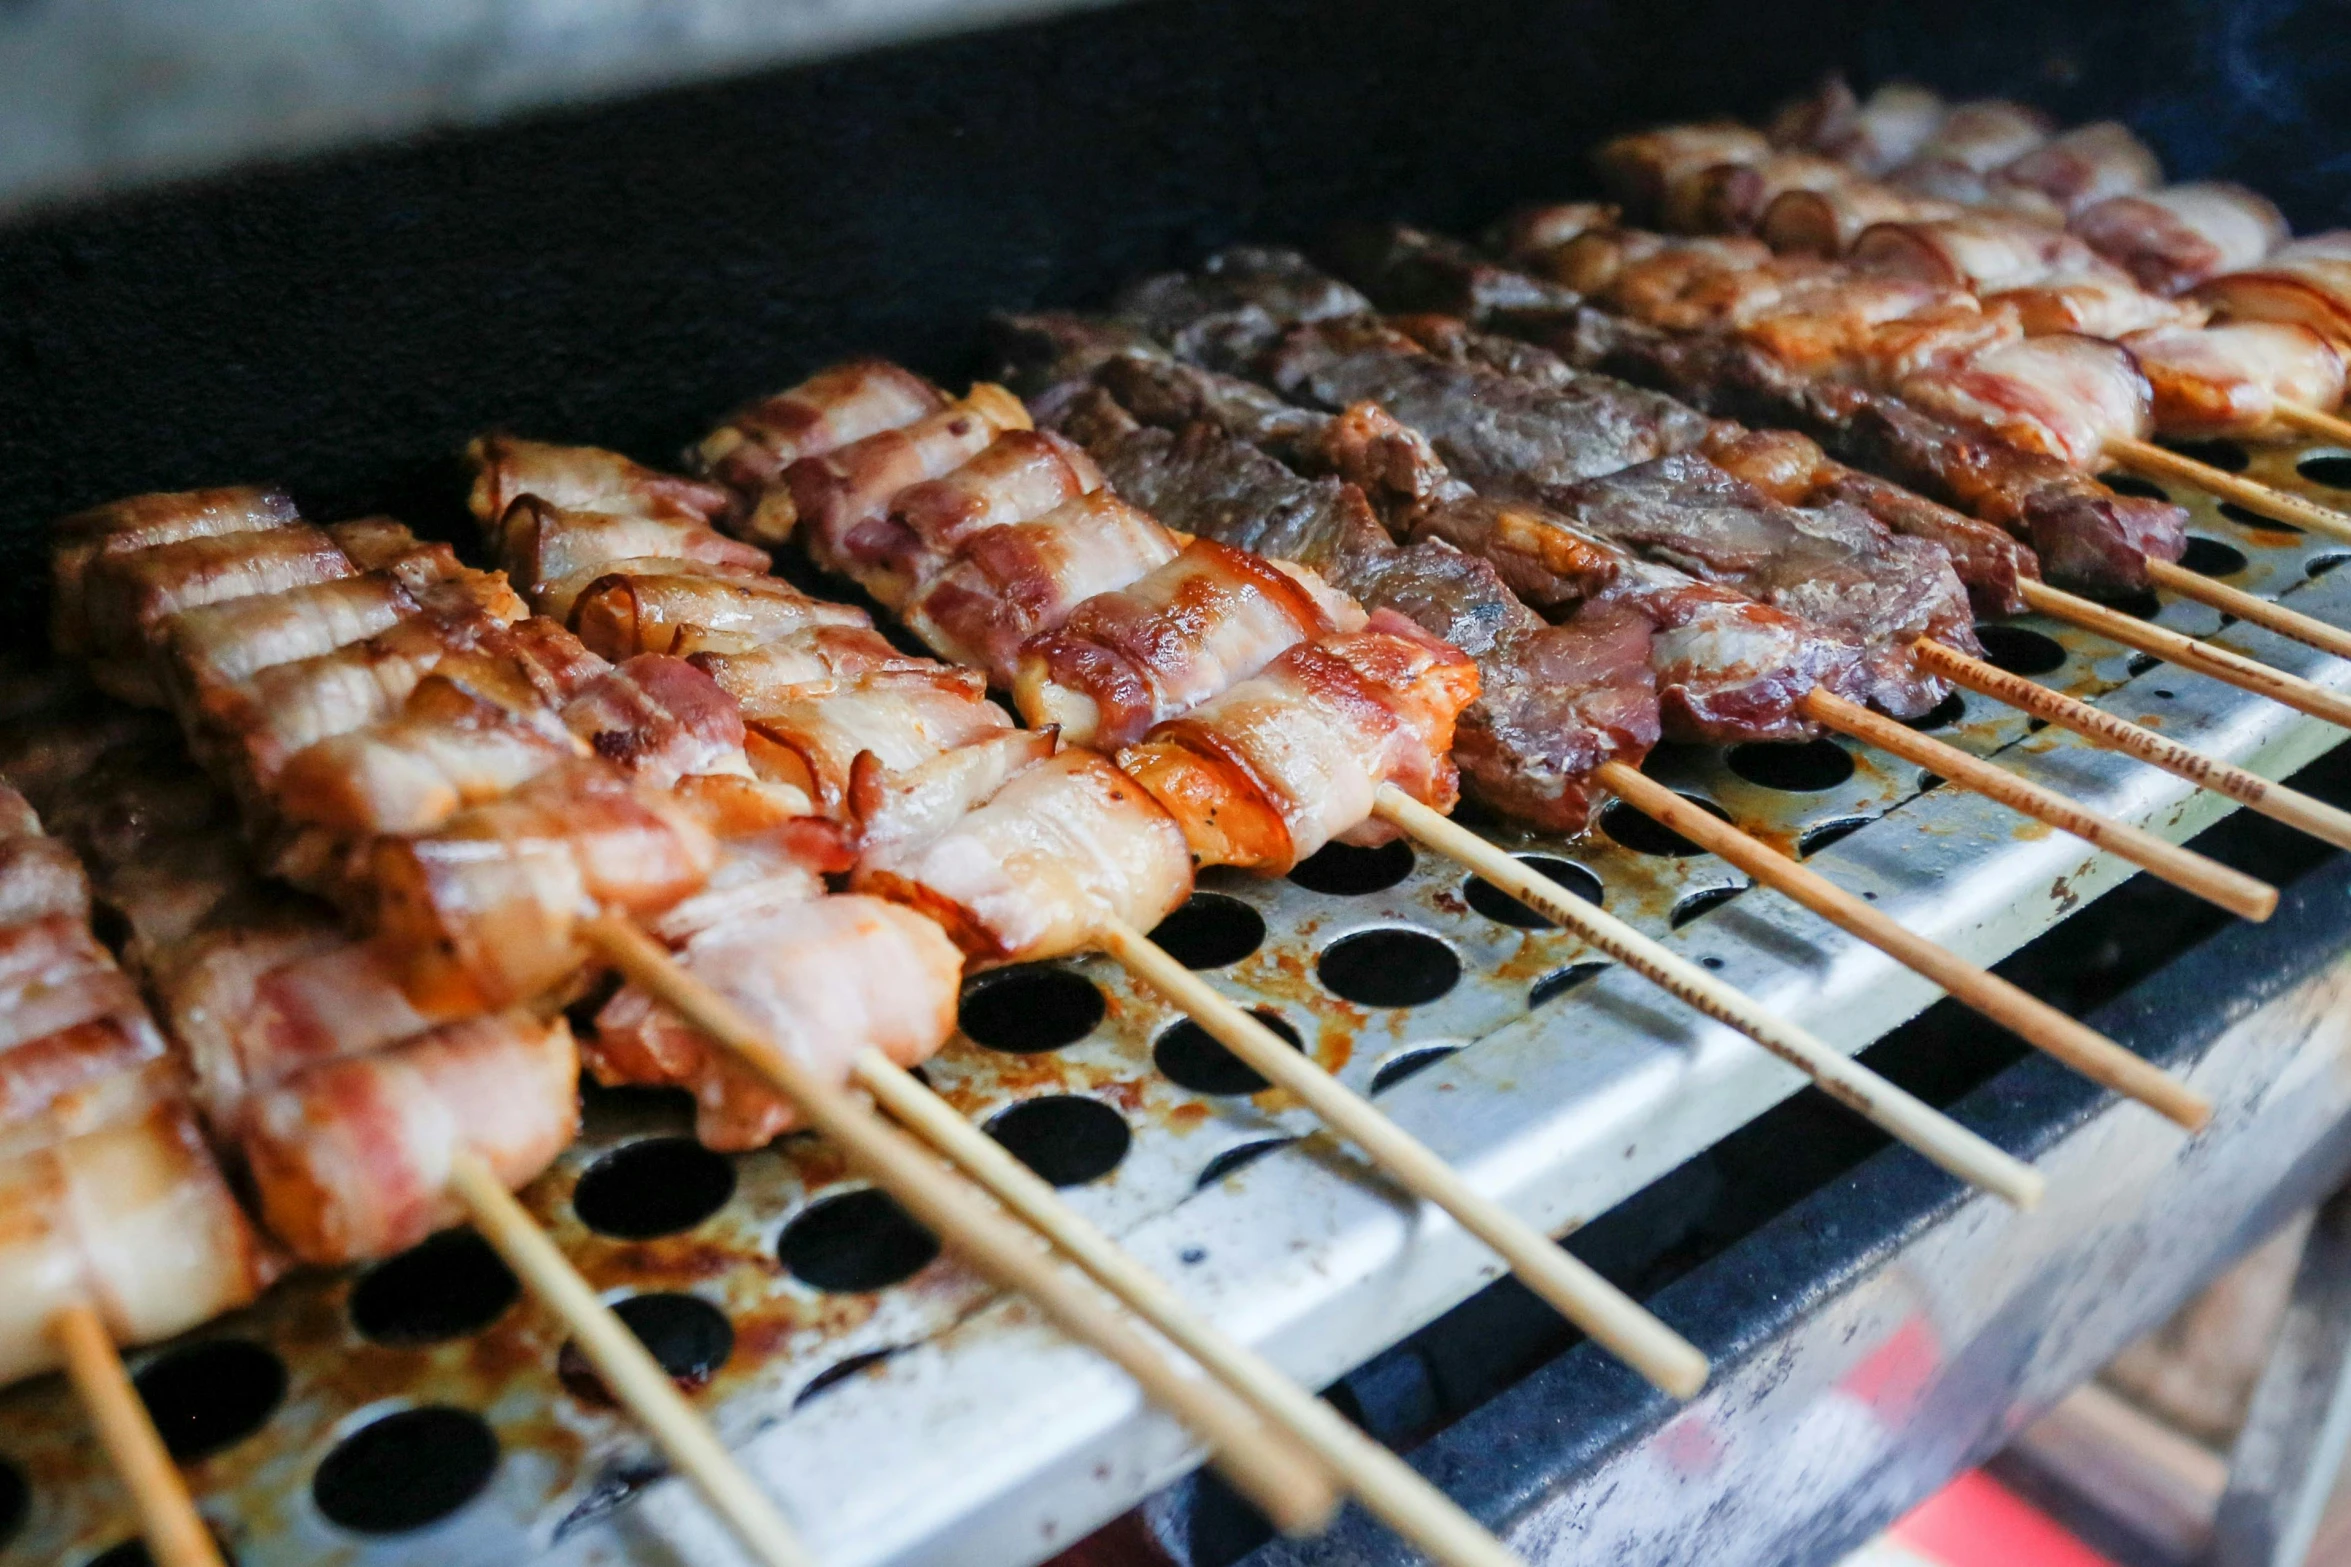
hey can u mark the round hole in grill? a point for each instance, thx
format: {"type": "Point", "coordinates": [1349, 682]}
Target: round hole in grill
{"type": "Point", "coordinates": [2132, 484]}
{"type": "Point", "coordinates": [1561, 981]}
{"type": "Point", "coordinates": [1388, 968]}
{"type": "Point", "coordinates": [1818, 838]}
{"type": "Point", "coordinates": [211, 1395]}
{"type": "Point", "coordinates": [1343, 870]}
{"type": "Point", "coordinates": [687, 1336]}
{"type": "Point", "coordinates": [1698, 903]}
{"type": "Point", "coordinates": [405, 1470]}
{"type": "Point", "coordinates": [1495, 904]}
{"type": "Point", "coordinates": [855, 1242]}
{"type": "Point", "coordinates": [1211, 930]}
{"type": "Point", "coordinates": [2253, 519]}
{"type": "Point", "coordinates": [1066, 1138]}
{"type": "Point", "coordinates": [2162, 694]}
{"type": "Point", "coordinates": [1410, 1063]}
{"type": "Point", "coordinates": [2019, 651]}
{"type": "Point", "coordinates": [1942, 715]}
{"type": "Point", "coordinates": [1030, 1008]}
{"type": "Point", "coordinates": [133, 1553]}
{"type": "Point", "coordinates": [2227, 456]}
{"type": "Point", "coordinates": [1190, 1057]}
{"type": "Point", "coordinates": [640, 1105]}
{"type": "Point", "coordinates": [442, 1288]}
{"type": "Point", "coordinates": [2211, 558]}
{"type": "Point", "coordinates": [2332, 469]}
{"type": "Point", "coordinates": [1644, 836]}
{"type": "Point", "coordinates": [1804, 766]}
{"type": "Point", "coordinates": [1233, 1159]}
{"type": "Point", "coordinates": [839, 1372]}
{"type": "Point", "coordinates": [1929, 781]}
{"type": "Point", "coordinates": [655, 1187]}
{"type": "Point", "coordinates": [2139, 606]}
{"type": "Point", "coordinates": [2140, 663]}
{"type": "Point", "coordinates": [16, 1500]}
{"type": "Point", "coordinates": [2319, 565]}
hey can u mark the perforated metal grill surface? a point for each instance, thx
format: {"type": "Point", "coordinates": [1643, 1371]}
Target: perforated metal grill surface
{"type": "Point", "coordinates": [903, 1414]}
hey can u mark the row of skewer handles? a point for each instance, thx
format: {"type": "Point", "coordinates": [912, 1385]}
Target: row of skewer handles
{"type": "Point", "coordinates": [1260, 567]}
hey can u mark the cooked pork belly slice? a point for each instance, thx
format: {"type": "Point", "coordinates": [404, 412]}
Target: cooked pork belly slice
{"type": "Point", "coordinates": [829, 410]}
{"type": "Point", "coordinates": [1211, 616]}
{"type": "Point", "coordinates": [2104, 303]}
{"type": "Point", "coordinates": [2064, 396]}
{"type": "Point", "coordinates": [1984, 135]}
{"type": "Point", "coordinates": [1873, 134]}
{"type": "Point", "coordinates": [1020, 475]}
{"type": "Point", "coordinates": [2306, 283]}
{"type": "Point", "coordinates": [763, 673]}
{"type": "Point", "coordinates": [221, 644]}
{"type": "Point", "coordinates": [132, 1219]}
{"type": "Point", "coordinates": [580, 478]}
{"type": "Point", "coordinates": [551, 552]}
{"type": "Point", "coordinates": [2082, 166]}
{"type": "Point", "coordinates": [919, 802]}
{"type": "Point", "coordinates": [1032, 873]}
{"type": "Point", "coordinates": [1272, 769]}
{"type": "Point", "coordinates": [352, 1158]}
{"type": "Point", "coordinates": [1642, 168]}
{"type": "Point", "coordinates": [144, 522]}
{"type": "Point", "coordinates": [127, 597]}
{"type": "Point", "coordinates": [659, 719]}
{"type": "Point", "coordinates": [1983, 251]}
{"type": "Point", "coordinates": [429, 569]}
{"type": "Point", "coordinates": [1730, 198]}
{"type": "Point", "coordinates": [1020, 579]}
{"type": "Point", "coordinates": [54, 975]}
{"type": "Point", "coordinates": [902, 717]}
{"type": "Point", "coordinates": [839, 501]}
{"type": "Point", "coordinates": [1827, 222]}
{"type": "Point", "coordinates": [2229, 379]}
{"type": "Point", "coordinates": [40, 878]}
{"type": "Point", "coordinates": [2170, 240]}
{"type": "Point", "coordinates": [826, 978]}
{"type": "Point", "coordinates": [647, 606]}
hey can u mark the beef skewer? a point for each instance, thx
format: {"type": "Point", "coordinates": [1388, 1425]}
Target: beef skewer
{"type": "Point", "coordinates": [477, 918]}
{"type": "Point", "coordinates": [2019, 256]}
{"type": "Point", "coordinates": [1213, 838]}
{"type": "Point", "coordinates": [1212, 480]}
{"type": "Point", "coordinates": [1529, 444]}
{"type": "Point", "coordinates": [2103, 541]}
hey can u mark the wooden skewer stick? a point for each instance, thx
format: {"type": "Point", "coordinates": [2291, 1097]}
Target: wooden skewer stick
{"type": "Point", "coordinates": [2265, 613]}
{"type": "Point", "coordinates": [2247, 674]}
{"type": "Point", "coordinates": [2312, 421]}
{"type": "Point", "coordinates": [1287, 1485]}
{"type": "Point", "coordinates": [1392, 1489]}
{"type": "Point", "coordinates": [1583, 1297]}
{"type": "Point", "coordinates": [2208, 879]}
{"type": "Point", "coordinates": [2249, 789]}
{"type": "Point", "coordinates": [168, 1520]}
{"type": "Point", "coordinates": [1907, 1119]}
{"type": "Point", "coordinates": [627, 1367]}
{"type": "Point", "coordinates": [2161, 462]}
{"type": "Point", "coordinates": [2027, 1016]}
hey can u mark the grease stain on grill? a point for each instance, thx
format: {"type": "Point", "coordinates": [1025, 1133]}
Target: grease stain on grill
{"type": "Point", "coordinates": [1345, 871]}
{"type": "Point", "coordinates": [2211, 558]}
{"type": "Point", "coordinates": [2227, 456]}
{"type": "Point", "coordinates": [1388, 968]}
{"type": "Point", "coordinates": [687, 1336]}
{"type": "Point", "coordinates": [406, 1470]}
{"type": "Point", "coordinates": [1799, 767]}
{"type": "Point", "coordinates": [2332, 469]}
{"type": "Point", "coordinates": [1188, 1056]}
{"type": "Point", "coordinates": [442, 1288]}
{"type": "Point", "coordinates": [2019, 650]}
{"type": "Point", "coordinates": [1942, 715]}
{"type": "Point", "coordinates": [1233, 1159]}
{"type": "Point", "coordinates": [1560, 982]}
{"type": "Point", "coordinates": [658, 1186]}
{"type": "Point", "coordinates": [2253, 519]}
{"type": "Point", "coordinates": [1066, 1138]}
{"type": "Point", "coordinates": [211, 1395]}
{"type": "Point", "coordinates": [1698, 903]}
{"type": "Point", "coordinates": [855, 1243]}
{"type": "Point", "coordinates": [1211, 930]}
{"type": "Point", "coordinates": [2132, 484]}
{"type": "Point", "coordinates": [1409, 1064]}
{"type": "Point", "coordinates": [839, 1372]}
{"type": "Point", "coordinates": [1030, 1008]}
{"type": "Point", "coordinates": [1642, 835]}
{"type": "Point", "coordinates": [1497, 905]}
{"type": "Point", "coordinates": [1818, 838]}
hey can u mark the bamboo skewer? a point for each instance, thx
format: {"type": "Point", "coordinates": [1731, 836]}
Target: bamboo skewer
{"type": "Point", "coordinates": [2265, 613]}
{"type": "Point", "coordinates": [2230, 889]}
{"type": "Point", "coordinates": [1906, 1118]}
{"type": "Point", "coordinates": [2247, 674]}
{"type": "Point", "coordinates": [1574, 1290]}
{"type": "Point", "coordinates": [2249, 789]}
{"type": "Point", "coordinates": [168, 1520]}
{"type": "Point", "coordinates": [2027, 1016]}
{"type": "Point", "coordinates": [2160, 462]}
{"type": "Point", "coordinates": [1390, 1488]}
{"type": "Point", "coordinates": [2312, 421]}
{"type": "Point", "coordinates": [627, 1367]}
{"type": "Point", "coordinates": [1288, 1486]}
